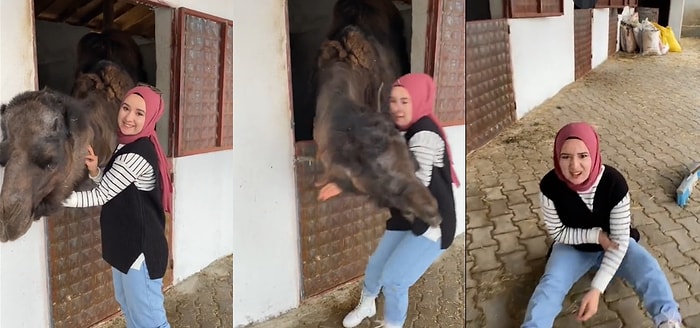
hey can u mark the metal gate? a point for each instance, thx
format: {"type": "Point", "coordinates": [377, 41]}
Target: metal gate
{"type": "Point", "coordinates": [449, 71]}
{"type": "Point", "coordinates": [338, 235]}
{"type": "Point", "coordinates": [583, 31]}
{"type": "Point", "coordinates": [80, 280]}
{"type": "Point", "coordinates": [490, 96]}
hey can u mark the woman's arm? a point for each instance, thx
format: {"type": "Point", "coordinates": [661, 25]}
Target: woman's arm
{"type": "Point", "coordinates": [426, 146]}
{"type": "Point", "coordinates": [96, 179]}
{"type": "Point", "coordinates": [620, 218]}
{"type": "Point", "coordinates": [125, 170]}
{"type": "Point", "coordinates": [561, 233]}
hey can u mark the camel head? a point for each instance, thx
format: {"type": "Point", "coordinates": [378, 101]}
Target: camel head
{"type": "Point", "coordinates": [42, 131]}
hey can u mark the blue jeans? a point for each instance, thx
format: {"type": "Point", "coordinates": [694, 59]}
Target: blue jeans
{"type": "Point", "coordinates": [399, 261]}
{"type": "Point", "coordinates": [566, 265]}
{"type": "Point", "coordinates": [141, 298]}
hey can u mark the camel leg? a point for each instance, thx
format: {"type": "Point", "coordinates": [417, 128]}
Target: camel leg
{"type": "Point", "coordinates": [423, 205]}
{"type": "Point", "coordinates": [359, 185]}
{"type": "Point", "coordinates": [324, 178]}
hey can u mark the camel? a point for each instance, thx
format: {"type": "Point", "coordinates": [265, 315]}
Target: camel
{"type": "Point", "coordinates": [358, 145]}
{"type": "Point", "coordinates": [45, 135]}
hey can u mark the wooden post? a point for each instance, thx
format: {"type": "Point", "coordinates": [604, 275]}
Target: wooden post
{"type": "Point", "coordinates": [107, 14]}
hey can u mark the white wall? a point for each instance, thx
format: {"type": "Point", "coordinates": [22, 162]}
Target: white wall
{"type": "Point", "coordinates": [542, 53]}
{"type": "Point", "coordinates": [203, 219]}
{"type": "Point", "coordinates": [691, 13]}
{"type": "Point", "coordinates": [24, 298]}
{"type": "Point", "coordinates": [203, 188]}
{"type": "Point", "coordinates": [496, 7]}
{"type": "Point", "coordinates": [599, 38]}
{"type": "Point", "coordinates": [675, 16]}
{"type": "Point", "coordinates": [419, 25]}
{"type": "Point", "coordinates": [456, 135]}
{"type": "Point", "coordinates": [266, 238]}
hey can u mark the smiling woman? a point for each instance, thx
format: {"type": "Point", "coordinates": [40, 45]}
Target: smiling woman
{"type": "Point", "coordinates": [132, 115]}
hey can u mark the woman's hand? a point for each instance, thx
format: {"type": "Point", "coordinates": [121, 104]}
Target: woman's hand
{"type": "Point", "coordinates": [605, 241]}
{"type": "Point", "coordinates": [589, 305]}
{"type": "Point", "coordinates": [328, 191]}
{"type": "Point", "coordinates": [91, 162]}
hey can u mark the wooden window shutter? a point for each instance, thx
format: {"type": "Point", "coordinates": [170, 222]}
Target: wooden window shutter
{"type": "Point", "coordinates": [201, 86]}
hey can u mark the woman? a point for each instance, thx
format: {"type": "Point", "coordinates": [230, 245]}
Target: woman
{"type": "Point", "coordinates": [586, 207]}
{"type": "Point", "coordinates": [407, 250]}
{"type": "Point", "coordinates": [134, 192]}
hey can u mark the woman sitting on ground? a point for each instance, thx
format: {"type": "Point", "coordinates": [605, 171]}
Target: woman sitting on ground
{"type": "Point", "coordinates": [586, 207]}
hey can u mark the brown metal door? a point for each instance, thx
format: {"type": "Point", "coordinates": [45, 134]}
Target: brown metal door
{"type": "Point", "coordinates": [449, 71]}
{"type": "Point", "coordinates": [583, 30]}
{"type": "Point", "coordinates": [80, 280]}
{"type": "Point", "coordinates": [490, 96]}
{"type": "Point", "coordinates": [338, 235]}
{"type": "Point", "coordinates": [612, 32]}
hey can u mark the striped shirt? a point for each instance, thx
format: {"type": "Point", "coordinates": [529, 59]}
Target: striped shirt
{"type": "Point", "coordinates": [127, 169]}
{"type": "Point", "coordinates": [428, 149]}
{"type": "Point", "coordinates": [620, 218]}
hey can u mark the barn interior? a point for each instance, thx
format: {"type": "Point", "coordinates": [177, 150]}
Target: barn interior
{"type": "Point", "coordinates": [59, 25]}
{"type": "Point", "coordinates": [308, 23]}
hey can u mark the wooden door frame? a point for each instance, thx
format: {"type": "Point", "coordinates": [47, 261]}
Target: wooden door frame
{"type": "Point", "coordinates": [432, 35]}
{"type": "Point", "coordinates": [168, 278]}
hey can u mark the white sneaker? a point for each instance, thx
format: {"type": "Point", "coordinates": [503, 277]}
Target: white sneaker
{"type": "Point", "coordinates": [366, 308]}
{"type": "Point", "coordinates": [383, 324]}
{"type": "Point", "coordinates": [670, 324]}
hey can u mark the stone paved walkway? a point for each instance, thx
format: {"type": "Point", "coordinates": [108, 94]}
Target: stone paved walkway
{"type": "Point", "coordinates": [204, 300]}
{"type": "Point", "coordinates": [436, 300]}
{"type": "Point", "coordinates": [647, 111]}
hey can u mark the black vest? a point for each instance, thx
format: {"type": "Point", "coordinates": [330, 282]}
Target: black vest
{"type": "Point", "coordinates": [133, 222]}
{"type": "Point", "coordinates": [440, 187]}
{"type": "Point", "coordinates": [574, 213]}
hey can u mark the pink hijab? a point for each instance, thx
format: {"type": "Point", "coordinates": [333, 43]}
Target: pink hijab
{"type": "Point", "coordinates": [421, 88]}
{"type": "Point", "coordinates": [154, 110]}
{"type": "Point", "coordinates": [586, 133]}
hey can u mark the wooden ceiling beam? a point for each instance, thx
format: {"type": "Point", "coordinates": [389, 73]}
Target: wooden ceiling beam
{"type": "Point", "coordinates": [70, 10]}
{"type": "Point", "coordinates": [107, 14]}
{"type": "Point", "coordinates": [41, 5]}
{"type": "Point", "coordinates": [90, 15]}
{"type": "Point", "coordinates": [132, 16]}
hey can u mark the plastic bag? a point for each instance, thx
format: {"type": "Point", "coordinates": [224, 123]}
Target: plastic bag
{"type": "Point", "coordinates": [668, 38]}
{"type": "Point", "coordinates": [673, 44]}
{"type": "Point", "coordinates": [630, 19]}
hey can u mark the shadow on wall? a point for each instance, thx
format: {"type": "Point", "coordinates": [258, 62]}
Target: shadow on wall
{"type": "Point", "coordinates": [56, 54]}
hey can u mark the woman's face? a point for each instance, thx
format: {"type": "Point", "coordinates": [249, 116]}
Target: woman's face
{"type": "Point", "coordinates": [132, 115]}
{"type": "Point", "coordinates": [575, 161]}
{"type": "Point", "coordinates": [400, 106]}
